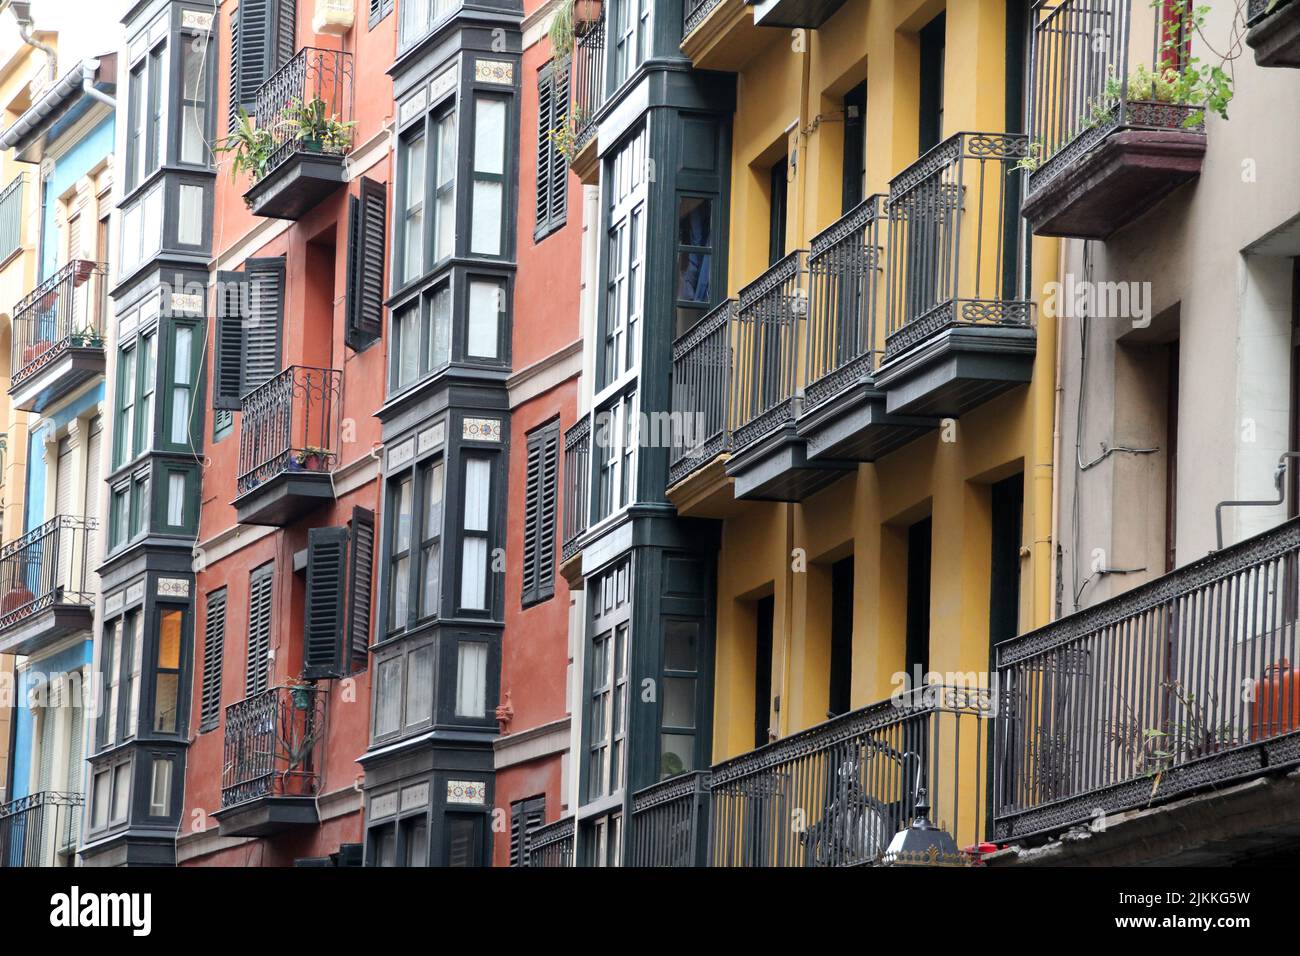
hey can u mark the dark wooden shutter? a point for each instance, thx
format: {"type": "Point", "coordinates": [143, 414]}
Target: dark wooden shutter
{"type": "Point", "coordinates": [234, 92]}
{"type": "Point", "coordinates": [541, 486]}
{"type": "Point", "coordinates": [361, 561]}
{"type": "Point", "coordinates": [228, 353]}
{"type": "Point", "coordinates": [286, 34]}
{"type": "Point", "coordinates": [559, 184]}
{"type": "Point", "coordinates": [262, 331]}
{"type": "Point", "coordinates": [322, 628]}
{"type": "Point", "coordinates": [545, 148]}
{"type": "Point", "coordinates": [526, 816]}
{"type": "Point", "coordinates": [367, 227]}
{"type": "Point", "coordinates": [252, 50]}
{"type": "Point", "coordinates": [214, 643]}
{"type": "Point", "coordinates": [257, 668]}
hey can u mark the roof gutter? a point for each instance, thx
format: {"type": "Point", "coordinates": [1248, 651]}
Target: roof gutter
{"type": "Point", "coordinates": [88, 70]}
{"type": "Point", "coordinates": [81, 80]}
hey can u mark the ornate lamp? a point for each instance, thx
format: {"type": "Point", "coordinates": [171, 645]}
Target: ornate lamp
{"type": "Point", "coordinates": [922, 843]}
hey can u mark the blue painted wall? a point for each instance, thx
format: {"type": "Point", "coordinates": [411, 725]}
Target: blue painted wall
{"type": "Point", "coordinates": [34, 506]}
{"type": "Point", "coordinates": [24, 720]}
{"type": "Point", "coordinates": [71, 166]}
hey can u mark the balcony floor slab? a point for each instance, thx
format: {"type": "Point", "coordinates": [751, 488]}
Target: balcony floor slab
{"type": "Point", "coordinates": [296, 185]}
{"type": "Point", "coordinates": [856, 425]}
{"type": "Point", "coordinates": [1276, 38]}
{"type": "Point", "coordinates": [72, 368]}
{"type": "Point", "coordinates": [266, 815]}
{"type": "Point", "coordinates": [30, 634]}
{"type": "Point", "coordinates": [776, 467]}
{"type": "Point", "coordinates": [284, 498]}
{"type": "Point", "coordinates": [960, 368]}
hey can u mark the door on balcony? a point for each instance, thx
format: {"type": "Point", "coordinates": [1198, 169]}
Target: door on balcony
{"type": "Point", "coordinates": [855, 146]}
{"type": "Point", "coordinates": [841, 676]}
{"type": "Point", "coordinates": [1007, 498]}
{"type": "Point", "coordinates": [64, 498]}
{"type": "Point", "coordinates": [764, 620]}
{"type": "Point", "coordinates": [918, 600]}
{"type": "Point", "coordinates": [930, 92]}
{"type": "Point", "coordinates": [94, 446]}
{"type": "Point", "coordinates": [777, 210]}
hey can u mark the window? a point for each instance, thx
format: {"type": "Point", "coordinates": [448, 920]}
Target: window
{"type": "Point", "coordinates": [552, 166]}
{"type": "Point", "coordinates": [631, 26]}
{"type": "Point", "coordinates": [624, 257]}
{"type": "Point", "coordinates": [680, 689]}
{"type": "Point", "coordinates": [421, 338]}
{"type": "Point", "coordinates": [126, 385]}
{"type": "Point", "coordinates": [140, 495]}
{"type": "Point", "coordinates": [694, 259]}
{"type": "Point", "coordinates": [412, 231]}
{"type": "Point", "coordinates": [194, 102]}
{"type": "Point", "coordinates": [606, 728]}
{"type": "Point", "coordinates": [110, 665]}
{"type": "Point", "coordinates": [131, 667]}
{"type": "Point", "coordinates": [214, 644]}
{"type": "Point", "coordinates": [419, 686]}
{"type": "Point", "coordinates": [160, 788]}
{"type": "Point", "coordinates": [388, 697]}
{"type": "Point", "coordinates": [471, 679]}
{"type": "Point", "coordinates": [477, 491]}
{"type": "Point", "coordinates": [418, 17]}
{"type": "Point", "coordinates": [778, 193]}
{"type": "Point", "coordinates": [415, 503]}
{"type": "Point", "coordinates": [483, 319]}
{"type": "Point", "coordinates": [262, 40]}
{"type": "Point", "coordinates": [167, 675]}
{"type": "Point", "coordinates": [445, 188]}
{"type": "Point", "coordinates": [258, 665]}
{"type": "Point", "coordinates": [431, 540]}
{"type": "Point", "coordinates": [526, 816]}
{"type": "Point", "coordinates": [488, 211]}
{"type": "Point", "coordinates": [378, 10]}
{"type": "Point", "coordinates": [367, 217]}
{"type": "Point", "coordinates": [437, 331]}
{"type": "Point", "coordinates": [250, 316]}
{"type": "Point", "coordinates": [400, 553]}
{"type": "Point", "coordinates": [541, 488]}
{"type": "Point", "coordinates": [930, 104]}
{"type": "Point", "coordinates": [148, 382]}
{"type": "Point", "coordinates": [182, 387]}
{"type": "Point", "coordinates": [616, 447]}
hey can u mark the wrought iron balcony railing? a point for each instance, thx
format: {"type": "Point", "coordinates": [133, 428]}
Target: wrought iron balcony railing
{"type": "Point", "coordinates": [588, 79]}
{"type": "Point", "coordinates": [702, 391]}
{"type": "Point", "coordinates": [577, 482]}
{"type": "Point", "coordinates": [36, 830]}
{"type": "Point", "coordinates": [845, 265]}
{"type": "Point", "coordinates": [306, 106]}
{"type": "Point", "coordinates": [48, 566]}
{"type": "Point", "coordinates": [770, 317]}
{"type": "Point", "coordinates": [695, 12]}
{"type": "Point", "coordinates": [1091, 72]}
{"type": "Point", "coordinates": [1184, 682]}
{"type": "Point", "coordinates": [952, 240]}
{"type": "Point", "coordinates": [290, 423]}
{"type": "Point", "coordinates": [551, 846]}
{"type": "Point", "coordinates": [670, 822]}
{"type": "Point", "coordinates": [11, 217]}
{"type": "Point", "coordinates": [273, 745]}
{"type": "Point", "coordinates": [63, 312]}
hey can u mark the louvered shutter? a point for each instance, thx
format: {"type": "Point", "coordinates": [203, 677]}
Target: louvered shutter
{"type": "Point", "coordinates": [76, 752]}
{"type": "Point", "coordinates": [322, 629]}
{"type": "Point", "coordinates": [545, 147]}
{"type": "Point", "coordinates": [367, 227]}
{"type": "Point", "coordinates": [252, 50]}
{"type": "Point", "coordinates": [94, 446]}
{"type": "Point", "coordinates": [262, 331]}
{"type": "Point", "coordinates": [257, 667]}
{"type": "Point", "coordinates": [43, 776]}
{"type": "Point", "coordinates": [214, 645]}
{"type": "Point", "coordinates": [376, 13]}
{"type": "Point", "coordinates": [361, 561]}
{"type": "Point", "coordinates": [532, 502]}
{"type": "Point", "coordinates": [228, 353]}
{"type": "Point", "coordinates": [558, 186]}
{"type": "Point", "coordinates": [526, 816]}
{"type": "Point", "coordinates": [233, 94]}
{"type": "Point", "coordinates": [286, 34]}
{"type": "Point", "coordinates": [540, 489]}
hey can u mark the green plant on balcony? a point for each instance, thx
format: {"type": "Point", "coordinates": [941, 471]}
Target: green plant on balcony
{"type": "Point", "coordinates": [1200, 728]}
{"type": "Point", "coordinates": [310, 458]}
{"type": "Point", "coordinates": [569, 16]}
{"type": "Point", "coordinates": [1033, 157]}
{"type": "Point", "coordinates": [250, 147]}
{"type": "Point", "coordinates": [315, 128]}
{"type": "Point", "coordinates": [565, 138]}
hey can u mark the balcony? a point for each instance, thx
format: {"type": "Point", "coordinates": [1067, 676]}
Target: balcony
{"type": "Point", "coordinates": [1109, 141]}
{"type": "Point", "coordinates": [857, 780]}
{"type": "Point", "coordinates": [305, 113]}
{"type": "Point", "coordinates": [577, 506]}
{"type": "Point", "coordinates": [41, 829]}
{"type": "Point", "coordinates": [1182, 685]}
{"type": "Point", "coordinates": [48, 587]}
{"type": "Point", "coordinates": [588, 81]}
{"type": "Point", "coordinates": [793, 14]}
{"type": "Point", "coordinates": [701, 402]}
{"type": "Point", "coordinates": [769, 459]}
{"type": "Point", "coordinates": [288, 445]}
{"type": "Point", "coordinates": [272, 760]}
{"type": "Point", "coordinates": [1274, 32]}
{"type": "Point", "coordinates": [957, 332]}
{"type": "Point", "coordinates": [844, 412]}
{"type": "Point", "coordinates": [721, 34]}
{"type": "Point", "coordinates": [551, 846]}
{"type": "Point", "coordinates": [58, 341]}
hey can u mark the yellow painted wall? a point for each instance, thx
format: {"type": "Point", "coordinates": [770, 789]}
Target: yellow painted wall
{"type": "Point", "coordinates": [788, 98]}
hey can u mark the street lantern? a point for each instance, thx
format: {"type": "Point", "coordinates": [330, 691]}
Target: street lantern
{"type": "Point", "coordinates": [922, 843]}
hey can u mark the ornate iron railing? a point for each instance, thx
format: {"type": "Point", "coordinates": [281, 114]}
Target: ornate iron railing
{"type": "Point", "coordinates": [1183, 682]}
{"type": "Point", "coordinates": [36, 830]}
{"type": "Point", "coordinates": [577, 484]}
{"type": "Point", "coordinates": [952, 248]}
{"type": "Point", "coordinates": [845, 266]}
{"type": "Point", "coordinates": [1084, 81]}
{"type": "Point", "coordinates": [552, 845]}
{"type": "Point", "coordinates": [273, 745]}
{"type": "Point", "coordinates": [670, 822]}
{"type": "Point", "coordinates": [588, 79]}
{"type": "Point", "coordinates": [11, 217]}
{"type": "Point", "coordinates": [766, 382]}
{"type": "Point", "coordinates": [835, 794]}
{"type": "Point", "coordinates": [48, 565]}
{"type": "Point", "coordinates": [702, 392]}
{"type": "Point", "coordinates": [290, 423]}
{"type": "Point", "coordinates": [307, 106]}
{"type": "Point", "coordinates": [63, 312]}
{"type": "Point", "coordinates": [696, 12]}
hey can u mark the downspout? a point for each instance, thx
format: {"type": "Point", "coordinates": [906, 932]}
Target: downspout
{"type": "Point", "coordinates": [51, 57]}
{"type": "Point", "coordinates": [88, 70]}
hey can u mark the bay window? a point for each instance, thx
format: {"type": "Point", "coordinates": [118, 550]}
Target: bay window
{"type": "Point", "coordinates": [477, 490]}
{"type": "Point", "coordinates": [167, 671]}
{"type": "Point", "coordinates": [490, 116]}
{"type": "Point", "coordinates": [412, 215]}
{"type": "Point", "coordinates": [400, 559]}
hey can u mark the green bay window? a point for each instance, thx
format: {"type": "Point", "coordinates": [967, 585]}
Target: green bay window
{"type": "Point", "coordinates": [488, 211]}
{"type": "Point", "coordinates": [195, 73]}
{"type": "Point", "coordinates": [167, 671]}
{"type": "Point", "coordinates": [415, 543]}
{"type": "Point", "coordinates": [420, 338]}
{"type": "Point", "coordinates": [477, 490]}
{"type": "Point", "coordinates": [411, 233]}
{"type": "Point", "coordinates": [126, 390]}
{"type": "Point", "coordinates": [401, 502]}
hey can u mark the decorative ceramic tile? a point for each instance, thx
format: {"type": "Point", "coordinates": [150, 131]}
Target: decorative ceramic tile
{"type": "Point", "coordinates": [196, 20]}
{"type": "Point", "coordinates": [443, 83]}
{"type": "Point", "coordinates": [481, 429]}
{"type": "Point", "coordinates": [135, 592]}
{"type": "Point", "coordinates": [411, 107]}
{"type": "Point", "coordinates": [494, 71]}
{"type": "Point", "coordinates": [467, 791]}
{"type": "Point", "coordinates": [173, 587]}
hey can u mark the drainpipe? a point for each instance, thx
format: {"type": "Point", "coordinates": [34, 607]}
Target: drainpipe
{"type": "Point", "coordinates": [88, 70]}
{"type": "Point", "coordinates": [22, 13]}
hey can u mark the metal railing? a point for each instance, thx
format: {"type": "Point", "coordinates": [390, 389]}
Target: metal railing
{"type": "Point", "coordinates": [63, 312]}
{"type": "Point", "coordinates": [37, 830]}
{"type": "Point", "coordinates": [551, 846]}
{"type": "Point", "coordinates": [670, 822]}
{"type": "Point", "coordinates": [1259, 10]}
{"type": "Point", "coordinates": [702, 391]}
{"type": "Point", "coordinates": [48, 565]}
{"type": "Point", "coordinates": [770, 317]}
{"type": "Point", "coordinates": [845, 266]}
{"type": "Point", "coordinates": [577, 484]}
{"type": "Point", "coordinates": [1183, 682]}
{"type": "Point", "coordinates": [11, 217]}
{"type": "Point", "coordinates": [835, 794]}
{"type": "Point", "coordinates": [290, 423]}
{"type": "Point", "coordinates": [588, 80]}
{"type": "Point", "coordinates": [273, 745]}
{"type": "Point", "coordinates": [952, 240]}
{"type": "Point", "coordinates": [695, 12]}
{"type": "Point", "coordinates": [1084, 76]}
{"type": "Point", "coordinates": [306, 106]}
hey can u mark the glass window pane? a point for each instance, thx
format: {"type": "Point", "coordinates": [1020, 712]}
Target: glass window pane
{"type": "Point", "coordinates": [486, 237]}
{"type": "Point", "coordinates": [490, 136]}
{"type": "Point", "coordinates": [484, 319]}
{"type": "Point", "coordinates": [160, 792]}
{"type": "Point", "coordinates": [100, 798]}
{"type": "Point", "coordinates": [189, 229]}
{"type": "Point", "coordinates": [121, 791]}
{"type": "Point", "coordinates": [388, 701]}
{"type": "Point", "coordinates": [676, 755]}
{"type": "Point", "coordinates": [440, 329]}
{"type": "Point", "coordinates": [681, 645]}
{"type": "Point", "coordinates": [478, 490]}
{"type": "Point", "coordinates": [679, 702]}
{"type": "Point", "coordinates": [419, 686]}
{"type": "Point", "coordinates": [473, 574]}
{"type": "Point", "coordinates": [176, 499]}
{"type": "Point", "coordinates": [471, 679]}
{"type": "Point", "coordinates": [413, 239]}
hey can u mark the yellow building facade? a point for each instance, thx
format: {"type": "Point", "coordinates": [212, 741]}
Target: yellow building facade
{"type": "Point", "coordinates": [781, 563]}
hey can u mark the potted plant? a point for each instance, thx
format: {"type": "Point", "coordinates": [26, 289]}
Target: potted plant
{"type": "Point", "coordinates": [250, 146]}
{"type": "Point", "coordinates": [316, 129]}
{"type": "Point", "coordinates": [561, 33]}
{"type": "Point", "coordinates": [311, 458]}
{"type": "Point", "coordinates": [300, 692]}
